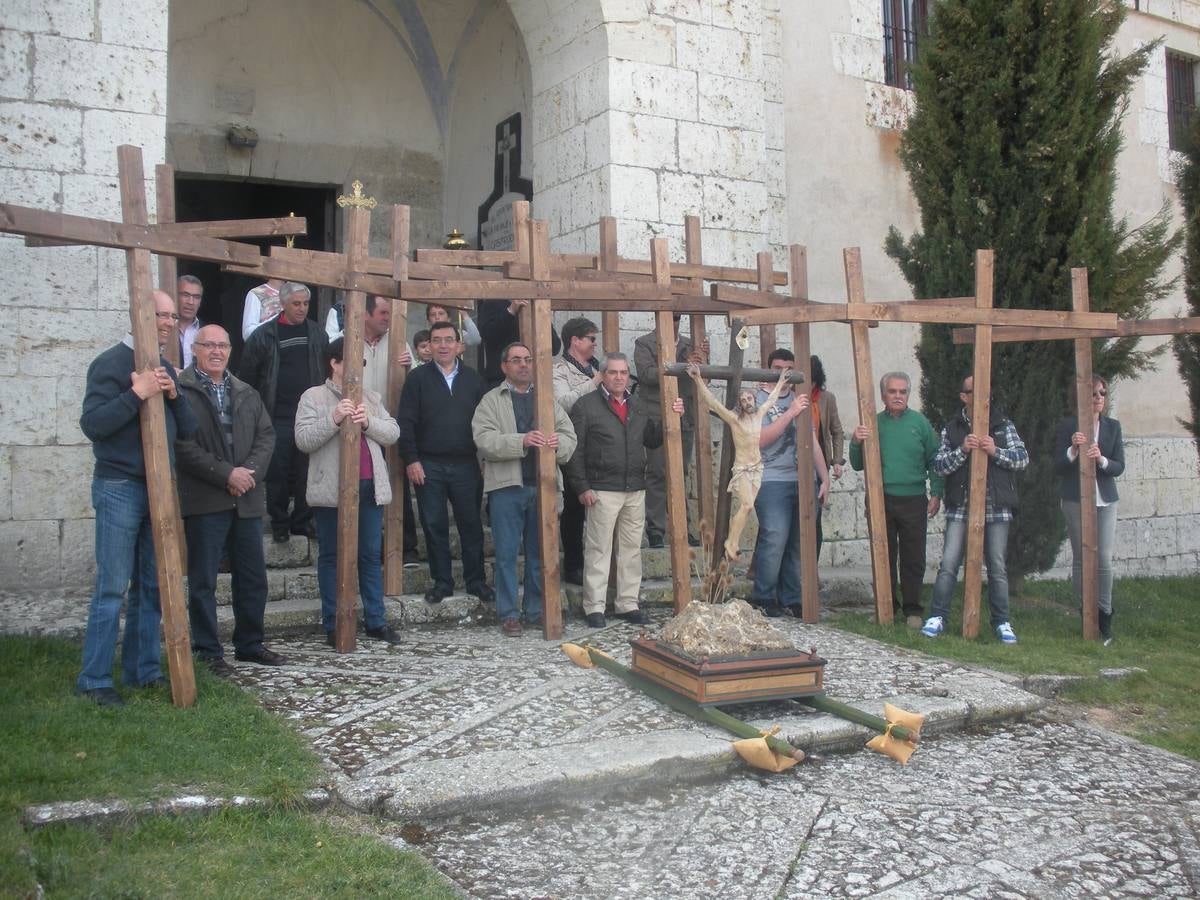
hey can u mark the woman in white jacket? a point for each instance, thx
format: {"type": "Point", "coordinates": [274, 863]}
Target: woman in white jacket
{"type": "Point", "coordinates": [319, 416]}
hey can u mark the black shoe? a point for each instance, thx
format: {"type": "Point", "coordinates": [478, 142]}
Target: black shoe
{"type": "Point", "coordinates": [103, 696]}
{"type": "Point", "coordinates": [1106, 636]}
{"type": "Point", "coordinates": [279, 533]}
{"type": "Point", "coordinates": [219, 667]}
{"type": "Point", "coordinates": [574, 576]}
{"type": "Point", "coordinates": [654, 541]}
{"type": "Point", "coordinates": [792, 610]}
{"type": "Point", "coordinates": [262, 656]}
{"type": "Point", "coordinates": [634, 617]}
{"type": "Point", "coordinates": [693, 541]}
{"type": "Point", "coordinates": [484, 593]}
{"type": "Point", "coordinates": [595, 620]}
{"type": "Point", "coordinates": [157, 682]}
{"type": "Point", "coordinates": [308, 530]}
{"type": "Point", "coordinates": [384, 633]}
{"type": "Point", "coordinates": [773, 611]}
{"type": "Point", "coordinates": [331, 638]}
{"type": "Point", "coordinates": [411, 559]}
{"type": "Point", "coordinates": [436, 595]}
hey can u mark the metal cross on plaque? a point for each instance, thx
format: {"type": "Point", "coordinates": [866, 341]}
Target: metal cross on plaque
{"type": "Point", "coordinates": [356, 197]}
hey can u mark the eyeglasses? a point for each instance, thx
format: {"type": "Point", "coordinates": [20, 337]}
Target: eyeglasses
{"type": "Point", "coordinates": [174, 317]}
{"type": "Point", "coordinates": [966, 392]}
{"type": "Point", "coordinates": [443, 340]}
{"type": "Point", "coordinates": [1099, 395]}
{"type": "Point", "coordinates": [190, 295]}
{"type": "Point", "coordinates": [212, 345]}
{"type": "Point", "coordinates": [521, 360]}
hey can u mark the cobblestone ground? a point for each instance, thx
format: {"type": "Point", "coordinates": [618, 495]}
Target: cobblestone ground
{"type": "Point", "coordinates": [1036, 809]}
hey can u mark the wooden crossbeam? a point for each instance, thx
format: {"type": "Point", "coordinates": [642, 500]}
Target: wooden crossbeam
{"type": "Point", "coordinates": [160, 484]}
{"type": "Point", "coordinates": [1125, 328]}
{"type": "Point", "coordinates": [810, 584]}
{"type": "Point", "coordinates": [393, 515]}
{"type": "Point", "coordinates": [121, 235]}
{"type": "Point", "coordinates": [229, 230]}
{"type": "Point", "coordinates": [168, 269]}
{"type": "Point", "coordinates": [728, 373]}
{"type": "Point", "coordinates": [923, 313]}
{"type": "Point", "coordinates": [1086, 423]}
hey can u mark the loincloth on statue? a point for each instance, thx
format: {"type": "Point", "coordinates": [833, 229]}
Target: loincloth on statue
{"type": "Point", "coordinates": [751, 475]}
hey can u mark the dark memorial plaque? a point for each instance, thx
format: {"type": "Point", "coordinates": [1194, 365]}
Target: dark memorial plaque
{"type": "Point", "coordinates": [495, 214]}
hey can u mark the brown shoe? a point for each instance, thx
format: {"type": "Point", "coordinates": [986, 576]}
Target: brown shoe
{"type": "Point", "coordinates": [511, 628]}
{"type": "Point", "coordinates": [915, 621]}
{"type": "Point", "coordinates": [219, 667]}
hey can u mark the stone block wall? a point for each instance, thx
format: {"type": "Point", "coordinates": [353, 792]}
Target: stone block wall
{"type": "Point", "coordinates": [77, 79]}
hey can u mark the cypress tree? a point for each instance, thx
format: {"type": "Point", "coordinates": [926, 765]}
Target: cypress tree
{"type": "Point", "coordinates": [1013, 146]}
{"type": "Point", "coordinates": [1187, 346]}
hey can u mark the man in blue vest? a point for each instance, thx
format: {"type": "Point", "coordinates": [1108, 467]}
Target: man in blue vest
{"type": "Point", "coordinates": [1006, 456]}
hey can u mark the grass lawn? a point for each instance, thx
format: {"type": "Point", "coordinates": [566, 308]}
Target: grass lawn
{"type": "Point", "coordinates": [61, 747]}
{"type": "Point", "coordinates": [1156, 626]}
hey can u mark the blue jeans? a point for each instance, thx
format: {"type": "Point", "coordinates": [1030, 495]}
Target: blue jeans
{"type": "Point", "coordinates": [209, 537]}
{"type": "Point", "coordinates": [1106, 532]}
{"type": "Point", "coordinates": [370, 572]}
{"type": "Point", "coordinates": [514, 512]}
{"type": "Point", "coordinates": [777, 550]}
{"type": "Point", "coordinates": [995, 544]}
{"type": "Point", "coordinates": [124, 560]}
{"type": "Point", "coordinates": [459, 484]}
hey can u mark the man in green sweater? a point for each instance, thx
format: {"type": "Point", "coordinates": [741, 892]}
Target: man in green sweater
{"type": "Point", "coordinates": [907, 446]}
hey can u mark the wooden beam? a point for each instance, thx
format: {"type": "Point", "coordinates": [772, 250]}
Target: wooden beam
{"type": "Point", "coordinates": [672, 446]}
{"type": "Point", "coordinates": [1086, 422]}
{"type": "Point", "coordinates": [981, 410]}
{"type": "Point", "coordinates": [766, 333]}
{"type": "Point", "coordinates": [164, 188]}
{"type": "Point", "coordinates": [394, 512]}
{"type": "Point", "coordinates": [121, 235]}
{"type": "Point", "coordinates": [1125, 328]}
{"type": "Point", "coordinates": [160, 484]}
{"type": "Point", "coordinates": [703, 442]}
{"type": "Point", "coordinates": [229, 230]}
{"type": "Point", "coordinates": [726, 373]}
{"type": "Point", "coordinates": [547, 461]}
{"type": "Point", "coordinates": [611, 293]}
{"type": "Point", "coordinates": [358, 224]}
{"type": "Point", "coordinates": [610, 320]}
{"type": "Point", "coordinates": [810, 583]}
{"type": "Point", "coordinates": [860, 338]}
{"type": "Point", "coordinates": [923, 312]}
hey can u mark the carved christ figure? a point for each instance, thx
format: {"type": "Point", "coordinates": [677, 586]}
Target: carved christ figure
{"type": "Point", "coordinates": [745, 424]}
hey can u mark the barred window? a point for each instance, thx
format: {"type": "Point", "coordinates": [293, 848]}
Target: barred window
{"type": "Point", "coordinates": [904, 25]}
{"type": "Point", "coordinates": [1181, 98]}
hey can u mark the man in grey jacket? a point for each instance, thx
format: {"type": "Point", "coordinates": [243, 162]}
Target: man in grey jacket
{"type": "Point", "coordinates": [222, 501]}
{"type": "Point", "coordinates": [508, 443]}
{"type": "Point", "coordinates": [608, 474]}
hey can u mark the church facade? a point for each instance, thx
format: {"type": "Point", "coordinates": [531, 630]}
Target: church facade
{"type": "Point", "coordinates": [775, 121]}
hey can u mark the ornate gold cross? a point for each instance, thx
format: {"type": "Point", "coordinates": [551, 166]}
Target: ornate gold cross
{"type": "Point", "coordinates": [356, 197]}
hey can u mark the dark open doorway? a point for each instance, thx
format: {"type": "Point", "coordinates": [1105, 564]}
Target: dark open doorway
{"type": "Point", "coordinates": [200, 199]}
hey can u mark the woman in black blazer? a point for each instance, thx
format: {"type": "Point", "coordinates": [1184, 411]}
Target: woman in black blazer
{"type": "Point", "coordinates": [1106, 448]}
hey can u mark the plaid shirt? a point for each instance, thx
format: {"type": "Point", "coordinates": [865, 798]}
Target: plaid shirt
{"type": "Point", "coordinates": [218, 393]}
{"type": "Point", "coordinates": [950, 459]}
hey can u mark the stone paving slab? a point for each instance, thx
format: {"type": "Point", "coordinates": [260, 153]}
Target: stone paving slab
{"type": "Point", "coordinates": [459, 718]}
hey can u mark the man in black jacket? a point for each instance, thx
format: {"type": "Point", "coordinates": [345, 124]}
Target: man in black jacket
{"type": "Point", "coordinates": [282, 359]}
{"type": "Point", "coordinates": [222, 501]}
{"type": "Point", "coordinates": [608, 474]}
{"type": "Point", "coordinates": [436, 442]}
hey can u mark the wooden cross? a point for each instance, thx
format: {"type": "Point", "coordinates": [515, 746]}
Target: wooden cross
{"type": "Point", "coordinates": [1086, 422]}
{"type": "Point", "coordinates": [860, 314]}
{"type": "Point", "coordinates": [138, 238]}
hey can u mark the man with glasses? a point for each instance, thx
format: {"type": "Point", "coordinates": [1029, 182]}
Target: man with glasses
{"type": "Point", "coordinates": [189, 292]}
{"type": "Point", "coordinates": [1006, 456]}
{"type": "Point", "coordinates": [508, 443]}
{"type": "Point", "coordinates": [125, 560]}
{"type": "Point", "coordinates": [576, 374]}
{"type": "Point", "coordinates": [222, 500]}
{"type": "Point", "coordinates": [282, 359]}
{"type": "Point", "coordinates": [436, 442]}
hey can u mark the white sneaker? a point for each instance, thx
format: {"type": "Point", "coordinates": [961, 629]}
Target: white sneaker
{"type": "Point", "coordinates": [1005, 633]}
{"type": "Point", "coordinates": [934, 626]}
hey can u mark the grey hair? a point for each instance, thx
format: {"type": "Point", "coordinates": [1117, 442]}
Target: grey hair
{"type": "Point", "coordinates": [192, 280]}
{"type": "Point", "coordinates": [613, 357]}
{"type": "Point", "coordinates": [894, 376]}
{"type": "Point", "coordinates": [293, 287]}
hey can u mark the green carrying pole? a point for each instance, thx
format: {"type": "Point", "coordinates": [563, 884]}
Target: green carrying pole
{"type": "Point", "coordinates": [843, 711]}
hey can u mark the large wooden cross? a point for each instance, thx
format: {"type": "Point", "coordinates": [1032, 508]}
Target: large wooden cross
{"type": "Point", "coordinates": [1086, 421]}
{"type": "Point", "coordinates": [977, 311]}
